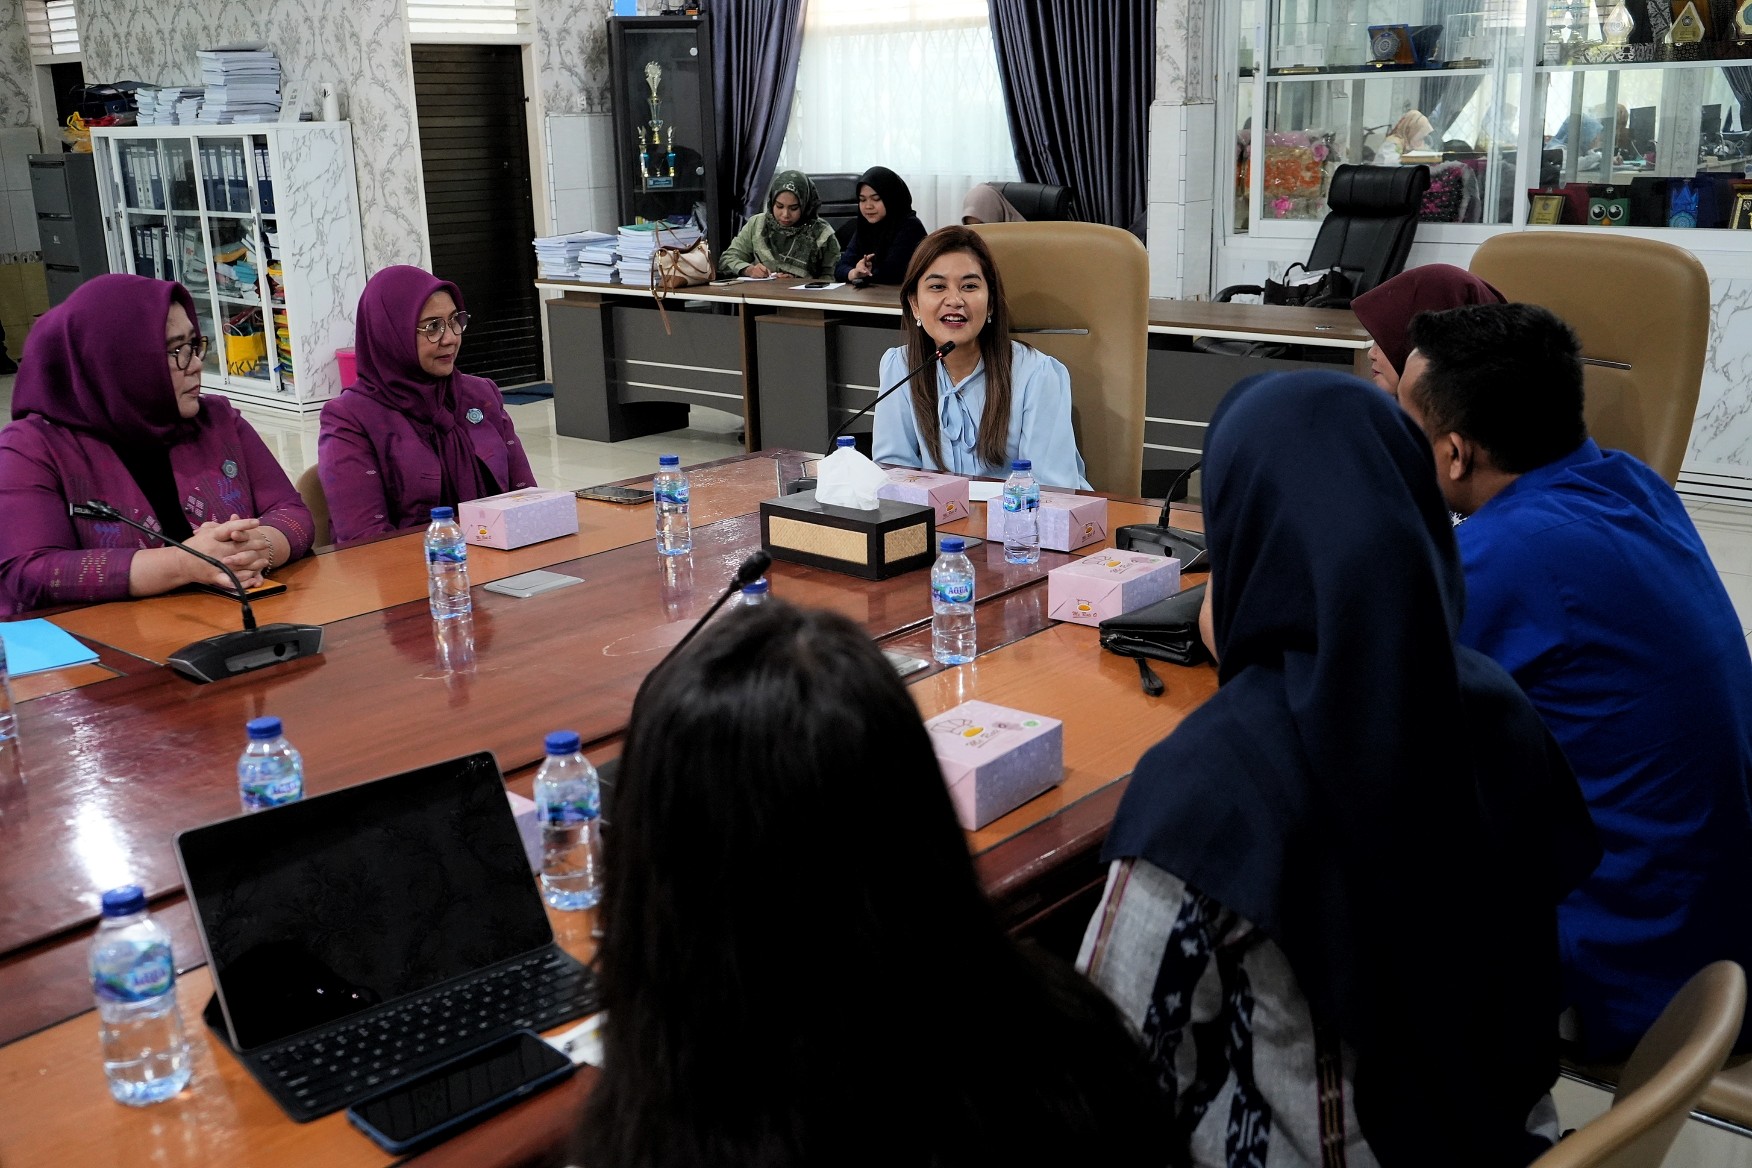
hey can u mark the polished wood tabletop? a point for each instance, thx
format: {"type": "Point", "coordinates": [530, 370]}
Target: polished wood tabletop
{"type": "Point", "coordinates": [1335, 327]}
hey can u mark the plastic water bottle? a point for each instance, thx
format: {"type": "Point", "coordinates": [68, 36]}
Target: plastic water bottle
{"type": "Point", "coordinates": [845, 442]}
{"type": "Point", "coordinates": [568, 804]}
{"type": "Point", "coordinates": [954, 641]}
{"type": "Point", "coordinates": [11, 769]}
{"type": "Point", "coordinates": [447, 566]}
{"type": "Point", "coordinates": [752, 595]}
{"type": "Point", "coordinates": [270, 772]}
{"type": "Point", "coordinates": [674, 531]}
{"type": "Point", "coordinates": [1021, 514]}
{"type": "Point", "coordinates": [133, 976]}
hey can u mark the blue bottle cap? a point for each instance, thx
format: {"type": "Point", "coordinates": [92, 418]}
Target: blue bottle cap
{"type": "Point", "coordinates": [124, 901]}
{"type": "Point", "coordinates": [563, 742]}
{"type": "Point", "coordinates": [1021, 464]}
{"type": "Point", "coordinates": [845, 440]}
{"type": "Point", "coordinates": [757, 588]}
{"type": "Point", "coordinates": [669, 460]}
{"type": "Point", "coordinates": [262, 729]}
{"type": "Point", "coordinates": [444, 512]}
{"type": "Point", "coordinates": [952, 544]}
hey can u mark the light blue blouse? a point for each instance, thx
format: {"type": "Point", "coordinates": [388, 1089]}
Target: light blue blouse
{"type": "Point", "coordinates": [1040, 420]}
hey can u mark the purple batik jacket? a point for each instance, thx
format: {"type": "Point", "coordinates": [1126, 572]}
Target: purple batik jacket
{"type": "Point", "coordinates": [381, 475]}
{"type": "Point", "coordinates": [47, 557]}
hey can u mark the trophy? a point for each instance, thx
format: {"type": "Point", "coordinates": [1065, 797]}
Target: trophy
{"type": "Point", "coordinates": [654, 78]}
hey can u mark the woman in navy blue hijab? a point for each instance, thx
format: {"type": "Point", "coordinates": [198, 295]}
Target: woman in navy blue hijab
{"type": "Point", "coordinates": [1332, 906]}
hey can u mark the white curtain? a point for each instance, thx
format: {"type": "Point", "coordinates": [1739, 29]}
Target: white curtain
{"type": "Point", "coordinates": [907, 84]}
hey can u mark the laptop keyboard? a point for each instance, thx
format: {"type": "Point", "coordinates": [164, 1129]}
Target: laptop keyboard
{"type": "Point", "coordinates": [323, 1072]}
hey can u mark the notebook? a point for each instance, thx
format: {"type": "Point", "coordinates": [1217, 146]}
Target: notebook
{"type": "Point", "coordinates": [358, 937]}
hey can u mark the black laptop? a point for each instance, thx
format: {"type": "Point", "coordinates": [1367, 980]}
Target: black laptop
{"type": "Point", "coordinates": [359, 937]}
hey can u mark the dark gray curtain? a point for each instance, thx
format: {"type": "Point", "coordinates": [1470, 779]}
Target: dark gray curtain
{"type": "Point", "coordinates": [1442, 98]}
{"type": "Point", "coordinates": [1740, 81]}
{"type": "Point", "coordinates": [755, 48]}
{"type": "Point", "coordinates": [1078, 78]}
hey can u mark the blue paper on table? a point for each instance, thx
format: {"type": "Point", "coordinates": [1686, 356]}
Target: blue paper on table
{"type": "Point", "coordinates": [35, 645]}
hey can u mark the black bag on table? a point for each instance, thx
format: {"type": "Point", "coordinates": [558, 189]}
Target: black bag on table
{"type": "Point", "coordinates": [1164, 631]}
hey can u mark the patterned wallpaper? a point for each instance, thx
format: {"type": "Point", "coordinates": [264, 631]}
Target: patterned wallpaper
{"type": "Point", "coordinates": [359, 44]}
{"type": "Point", "coordinates": [1185, 53]}
{"type": "Point", "coordinates": [571, 45]}
{"type": "Point", "coordinates": [16, 106]}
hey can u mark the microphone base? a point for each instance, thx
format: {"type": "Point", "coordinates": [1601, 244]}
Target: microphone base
{"type": "Point", "coordinates": [1157, 539]}
{"type": "Point", "coordinates": [230, 654]}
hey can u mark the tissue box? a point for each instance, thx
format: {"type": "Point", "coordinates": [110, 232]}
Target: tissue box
{"type": "Point", "coordinates": [523, 810]}
{"type": "Point", "coordinates": [1108, 583]}
{"type": "Point", "coordinates": [946, 494]}
{"type": "Point", "coordinates": [519, 518]}
{"type": "Point", "coordinates": [995, 759]}
{"type": "Point", "coordinates": [894, 538]}
{"type": "Point", "coordinates": [1067, 522]}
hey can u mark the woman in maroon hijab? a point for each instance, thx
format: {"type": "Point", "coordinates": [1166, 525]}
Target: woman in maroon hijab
{"type": "Point", "coordinates": [1387, 308]}
{"type": "Point", "coordinates": [414, 433]}
{"type": "Point", "coordinates": [108, 407]}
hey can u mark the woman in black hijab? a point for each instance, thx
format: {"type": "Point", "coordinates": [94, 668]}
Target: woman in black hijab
{"type": "Point", "coordinates": [887, 232]}
{"type": "Point", "coordinates": [1332, 907]}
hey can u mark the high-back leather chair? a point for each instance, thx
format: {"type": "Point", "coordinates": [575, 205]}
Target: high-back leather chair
{"type": "Point", "coordinates": [1039, 202]}
{"type": "Point", "coordinates": [1094, 281]}
{"type": "Point", "coordinates": [839, 203]}
{"type": "Point", "coordinates": [309, 488]}
{"type": "Point", "coordinates": [1641, 311]}
{"type": "Point", "coordinates": [1665, 1077]}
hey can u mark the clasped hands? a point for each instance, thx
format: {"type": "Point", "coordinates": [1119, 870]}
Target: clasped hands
{"type": "Point", "coordinates": [241, 544]}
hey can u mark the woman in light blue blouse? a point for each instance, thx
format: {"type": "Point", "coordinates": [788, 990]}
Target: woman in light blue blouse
{"type": "Point", "coordinates": [990, 401]}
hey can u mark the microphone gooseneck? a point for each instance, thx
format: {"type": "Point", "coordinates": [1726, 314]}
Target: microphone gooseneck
{"type": "Point", "coordinates": [937, 354]}
{"type": "Point", "coordinates": [752, 569]}
{"type": "Point", "coordinates": [1168, 496]}
{"type": "Point", "coordinates": [97, 509]}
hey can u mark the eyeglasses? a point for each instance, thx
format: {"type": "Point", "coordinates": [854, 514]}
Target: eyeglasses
{"type": "Point", "coordinates": [433, 330]}
{"type": "Point", "coordinates": [188, 353]}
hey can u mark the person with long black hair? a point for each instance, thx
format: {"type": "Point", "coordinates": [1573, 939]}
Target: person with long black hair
{"type": "Point", "coordinates": [887, 231]}
{"type": "Point", "coordinates": [1332, 906]}
{"type": "Point", "coordinates": [798, 964]}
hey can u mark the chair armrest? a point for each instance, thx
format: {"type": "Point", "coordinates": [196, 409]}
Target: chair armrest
{"type": "Point", "coordinates": [1234, 290]}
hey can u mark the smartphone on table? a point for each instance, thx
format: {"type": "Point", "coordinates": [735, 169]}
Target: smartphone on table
{"type": "Point", "coordinates": [607, 494]}
{"type": "Point", "coordinates": [460, 1093]}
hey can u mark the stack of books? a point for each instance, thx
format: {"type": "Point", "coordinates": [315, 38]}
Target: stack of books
{"type": "Point", "coordinates": [596, 261]}
{"type": "Point", "coordinates": [243, 85]}
{"type": "Point", "coordinates": [558, 255]}
{"type": "Point", "coordinates": [638, 242]}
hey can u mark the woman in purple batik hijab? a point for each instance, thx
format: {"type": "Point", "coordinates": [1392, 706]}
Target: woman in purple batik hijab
{"type": "Point", "coordinates": [108, 407]}
{"type": "Point", "coordinates": [414, 433]}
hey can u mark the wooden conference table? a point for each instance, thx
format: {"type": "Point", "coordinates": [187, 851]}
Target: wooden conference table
{"type": "Point", "coordinates": [122, 754]}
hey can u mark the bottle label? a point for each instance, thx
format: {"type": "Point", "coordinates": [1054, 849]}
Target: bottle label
{"type": "Point", "coordinates": [454, 554]}
{"type": "Point", "coordinates": [672, 493]}
{"type": "Point", "coordinates": [566, 812]}
{"type": "Point", "coordinates": [260, 793]}
{"type": "Point", "coordinates": [958, 590]}
{"type": "Point", "coordinates": [150, 975]}
{"type": "Point", "coordinates": [1021, 500]}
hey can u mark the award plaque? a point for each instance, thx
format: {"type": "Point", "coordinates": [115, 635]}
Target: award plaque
{"type": "Point", "coordinates": [1547, 210]}
{"type": "Point", "coordinates": [1743, 23]}
{"type": "Point", "coordinates": [1741, 219]}
{"type": "Point", "coordinates": [1390, 44]}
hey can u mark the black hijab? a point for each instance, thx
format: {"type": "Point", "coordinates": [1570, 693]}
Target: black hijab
{"type": "Point", "coordinates": [1383, 803]}
{"type": "Point", "coordinates": [897, 204]}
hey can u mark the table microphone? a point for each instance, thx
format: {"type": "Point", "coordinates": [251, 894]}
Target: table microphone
{"type": "Point", "coordinates": [1159, 539]}
{"type": "Point", "coordinates": [227, 654]}
{"type": "Point", "coordinates": [796, 486]}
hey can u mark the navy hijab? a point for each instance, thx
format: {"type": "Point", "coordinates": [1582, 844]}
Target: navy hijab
{"type": "Point", "coordinates": [1383, 803]}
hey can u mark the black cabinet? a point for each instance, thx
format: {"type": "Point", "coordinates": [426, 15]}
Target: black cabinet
{"type": "Point", "coordinates": [665, 123]}
{"type": "Point", "coordinates": [69, 221]}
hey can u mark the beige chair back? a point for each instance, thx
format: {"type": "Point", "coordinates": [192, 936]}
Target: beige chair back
{"type": "Point", "coordinates": [1086, 276]}
{"type": "Point", "coordinates": [310, 490]}
{"type": "Point", "coordinates": [1639, 305]}
{"type": "Point", "coordinates": [1665, 1077]}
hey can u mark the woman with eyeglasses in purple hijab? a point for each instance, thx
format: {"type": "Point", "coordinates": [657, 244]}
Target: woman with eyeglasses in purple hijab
{"type": "Point", "coordinates": [415, 433]}
{"type": "Point", "coordinates": [108, 407]}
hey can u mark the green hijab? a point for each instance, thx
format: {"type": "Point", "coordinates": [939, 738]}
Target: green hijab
{"type": "Point", "coordinates": [784, 241]}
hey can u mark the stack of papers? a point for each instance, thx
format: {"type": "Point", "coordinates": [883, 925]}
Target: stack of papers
{"type": "Point", "coordinates": [596, 261]}
{"type": "Point", "coordinates": [558, 255]}
{"type": "Point", "coordinates": [637, 243]}
{"type": "Point", "coordinates": [243, 85]}
{"type": "Point", "coordinates": [165, 106]}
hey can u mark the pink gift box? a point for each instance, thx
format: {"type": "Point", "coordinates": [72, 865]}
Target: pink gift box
{"type": "Point", "coordinates": [947, 494]}
{"type": "Point", "coordinates": [1067, 522]}
{"type": "Point", "coordinates": [519, 518]}
{"type": "Point", "coordinates": [1107, 584]}
{"type": "Point", "coordinates": [995, 759]}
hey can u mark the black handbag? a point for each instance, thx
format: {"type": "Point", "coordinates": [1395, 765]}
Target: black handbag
{"type": "Point", "coordinates": [1164, 631]}
{"type": "Point", "coordinates": [1332, 290]}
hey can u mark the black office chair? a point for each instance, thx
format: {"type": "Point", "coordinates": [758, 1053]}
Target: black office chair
{"type": "Point", "coordinates": [1040, 202]}
{"type": "Point", "coordinates": [1370, 221]}
{"type": "Point", "coordinates": [839, 203]}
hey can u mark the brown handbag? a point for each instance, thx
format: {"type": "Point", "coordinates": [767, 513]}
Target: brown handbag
{"type": "Point", "coordinates": [678, 267]}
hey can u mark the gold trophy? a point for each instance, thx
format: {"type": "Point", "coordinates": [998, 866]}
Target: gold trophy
{"type": "Point", "coordinates": [654, 78]}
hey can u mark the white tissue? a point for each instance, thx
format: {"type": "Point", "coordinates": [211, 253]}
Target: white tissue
{"type": "Point", "coordinates": [848, 479]}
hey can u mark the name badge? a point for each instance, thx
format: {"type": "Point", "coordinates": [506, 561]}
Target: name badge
{"type": "Point", "coordinates": [229, 468]}
{"type": "Point", "coordinates": [474, 415]}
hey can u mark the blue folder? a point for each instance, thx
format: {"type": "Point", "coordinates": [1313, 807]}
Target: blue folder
{"type": "Point", "coordinates": [35, 645]}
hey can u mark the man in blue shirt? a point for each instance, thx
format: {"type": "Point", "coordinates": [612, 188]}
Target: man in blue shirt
{"type": "Point", "coordinates": [1587, 581]}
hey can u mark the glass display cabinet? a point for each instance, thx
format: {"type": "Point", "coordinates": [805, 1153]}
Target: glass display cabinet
{"type": "Point", "coordinates": [1586, 112]}
{"type": "Point", "coordinates": [664, 120]}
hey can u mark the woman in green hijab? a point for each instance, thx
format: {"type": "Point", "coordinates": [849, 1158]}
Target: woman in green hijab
{"type": "Point", "coordinates": [789, 238]}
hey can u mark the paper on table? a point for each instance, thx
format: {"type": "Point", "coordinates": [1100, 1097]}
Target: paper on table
{"type": "Point", "coordinates": [983, 492]}
{"type": "Point", "coordinates": [35, 645]}
{"type": "Point", "coordinates": [821, 286]}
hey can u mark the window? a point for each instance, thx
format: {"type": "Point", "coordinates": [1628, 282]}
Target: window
{"type": "Point", "coordinates": [53, 28]}
{"type": "Point", "coordinates": [907, 84]}
{"type": "Point", "coordinates": [468, 20]}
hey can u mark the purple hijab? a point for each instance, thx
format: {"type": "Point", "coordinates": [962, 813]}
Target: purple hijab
{"type": "Point", "coordinates": [389, 372]}
{"type": "Point", "coordinates": [95, 362]}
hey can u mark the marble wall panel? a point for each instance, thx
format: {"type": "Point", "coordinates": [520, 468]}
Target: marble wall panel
{"type": "Point", "coordinates": [1721, 438]}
